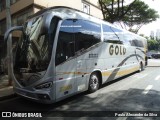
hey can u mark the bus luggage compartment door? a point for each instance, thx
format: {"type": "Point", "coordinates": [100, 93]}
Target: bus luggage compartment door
{"type": "Point", "coordinates": [65, 79]}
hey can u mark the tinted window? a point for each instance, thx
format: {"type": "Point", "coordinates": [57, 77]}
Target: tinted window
{"type": "Point", "coordinates": [137, 43]}
{"type": "Point", "coordinates": [76, 36]}
{"type": "Point", "coordinates": [127, 39]}
{"type": "Point", "coordinates": [112, 35]}
{"type": "Point", "coordinates": [66, 44]}
{"type": "Point", "coordinates": [133, 40]}
{"type": "Point", "coordinates": [34, 48]}
{"type": "Point", "coordinates": [87, 34]}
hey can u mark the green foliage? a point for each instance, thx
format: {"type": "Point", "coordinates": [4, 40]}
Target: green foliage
{"type": "Point", "coordinates": [137, 13]}
{"type": "Point", "coordinates": [153, 45]}
{"type": "Point", "coordinates": [114, 10]}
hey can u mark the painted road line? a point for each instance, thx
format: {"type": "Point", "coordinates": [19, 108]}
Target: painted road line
{"type": "Point", "coordinates": [134, 76]}
{"type": "Point", "coordinates": [147, 89]}
{"type": "Point", "coordinates": [138, 76]}
{"type": "Point", "coordinates": [142, 76]}
{"type": "Point", "coordinates": [158, 77]}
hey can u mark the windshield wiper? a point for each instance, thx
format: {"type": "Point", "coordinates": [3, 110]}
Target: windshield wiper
{"type": "Point", "coordinates": [116, 35]}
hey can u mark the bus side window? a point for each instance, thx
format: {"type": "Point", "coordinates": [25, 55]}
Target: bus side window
{"type": "Point", "coordinates": [87, 34]}
{"type": "Point", "coordinates": [112, 35]}
{"type": "Point", "coordinates": [137, 42]}
{"type": "Point", "coordinates": [66, 44]}
{"type": "Point", "coordinates": [128, 39]}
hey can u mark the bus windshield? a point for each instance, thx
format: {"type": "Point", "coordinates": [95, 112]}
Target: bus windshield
{"type": "Point", "coordinates": [33, 52]}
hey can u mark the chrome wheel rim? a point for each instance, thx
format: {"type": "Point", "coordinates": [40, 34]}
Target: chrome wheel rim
{"type": "Point", "coordinates": [141, 67]}
{"type": "Point", "coordinates": [94, 82]}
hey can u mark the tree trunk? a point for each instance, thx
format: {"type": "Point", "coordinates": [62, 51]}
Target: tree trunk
{"type": "Point", "coordinates": [9, 42]}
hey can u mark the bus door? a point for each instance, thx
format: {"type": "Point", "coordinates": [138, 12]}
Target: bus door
{"type": "Point", "coordinates": [65, 61]}
{"type": "Point", "coordinates": [81, 74]}
{"type": "Point", "coordinates": [80, 47]}
{"type": "Point", "coordinates": [87, 34]}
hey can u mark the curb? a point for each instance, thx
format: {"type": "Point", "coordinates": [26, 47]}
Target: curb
{"type": "Point", "coordinates": [8, 97]}
{"type": "Point", "coordinates": [7, 93]}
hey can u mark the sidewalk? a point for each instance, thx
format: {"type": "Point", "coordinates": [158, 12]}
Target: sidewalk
{"type": "Point", "coordinates": [6, 91]}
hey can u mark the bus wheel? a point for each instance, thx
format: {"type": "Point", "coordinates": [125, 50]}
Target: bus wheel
{"type": "Point", "coordinates": [93, 83]}
{"type": "Point", "coordinates": [141, 67]}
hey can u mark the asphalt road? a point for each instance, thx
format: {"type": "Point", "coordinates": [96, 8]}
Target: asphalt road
{"type": "Point", "coordinates": [138, 92]}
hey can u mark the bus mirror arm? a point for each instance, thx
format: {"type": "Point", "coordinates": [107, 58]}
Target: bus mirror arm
{"type": "Point", "coordinates": [9, 47]}
{"type": "Point", "coordinates": [19, 28]}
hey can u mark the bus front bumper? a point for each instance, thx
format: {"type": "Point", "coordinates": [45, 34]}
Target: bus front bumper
{"type": "Point", "coordinates": [35, 96]}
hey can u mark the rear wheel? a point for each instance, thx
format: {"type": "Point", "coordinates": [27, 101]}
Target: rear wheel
{"type": "Point", "coordinates": [93, 83]}
{"type": "Point", "coordinates": [141, 67]}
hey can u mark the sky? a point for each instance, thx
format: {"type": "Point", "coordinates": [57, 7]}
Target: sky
{"type": "Point", "coordinates": [146, 29]}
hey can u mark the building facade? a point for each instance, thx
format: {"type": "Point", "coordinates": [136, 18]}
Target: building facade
{"type": "Point", "coordinates": [158, 34]}
{"type": "Point", "coordinates": [21, 9]}
{"type": "Point", "coordinates": [152, 34]}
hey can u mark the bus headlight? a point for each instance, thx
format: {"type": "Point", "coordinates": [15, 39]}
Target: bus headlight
{"type": "Point", "coordinates": [44, 85]}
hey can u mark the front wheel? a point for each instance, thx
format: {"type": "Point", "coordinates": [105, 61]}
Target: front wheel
{"type": "Point", "coordinates": [93, 83]}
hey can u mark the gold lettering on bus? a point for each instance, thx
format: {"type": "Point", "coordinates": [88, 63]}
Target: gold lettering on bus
{"type": "Point", "coordinates": [65, 88]}
{"type": "Point", "coordinates": [117, 50]}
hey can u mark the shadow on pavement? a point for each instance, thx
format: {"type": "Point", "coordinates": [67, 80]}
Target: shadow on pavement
{"type": "Point", "coordinates": [118, 101]}
{"type": "Point", "coordinates": [125, 100]}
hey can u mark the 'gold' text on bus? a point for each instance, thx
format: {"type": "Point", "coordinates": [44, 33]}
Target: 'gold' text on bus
{"type": "Point", "coordinates": [117, 50]}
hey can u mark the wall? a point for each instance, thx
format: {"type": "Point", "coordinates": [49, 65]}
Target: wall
{"type": "Point", "coordinates": [18, 6]}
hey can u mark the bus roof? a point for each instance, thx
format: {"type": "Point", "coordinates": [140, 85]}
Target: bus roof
{"type": "Point", "coordinates": [67, 10]}
{"type": "Point", "coordinates": [74, 13]}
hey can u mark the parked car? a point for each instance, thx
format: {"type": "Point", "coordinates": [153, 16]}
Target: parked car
{"type": "Point", "coordinates": [156, 56]}
{"type": "Point", "coordinates": [149, 56]}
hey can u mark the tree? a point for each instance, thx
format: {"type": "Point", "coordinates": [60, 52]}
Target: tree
{"type": "Point", "coordinates": [9, 42]}
{"type": "Point", "coordinates": [114, 10]}
{"type": "Point", "coordinates": [144, 36]}
{"type": "Point", "coordinates": [139, 15]}
{"type": "Point", "coordinates": [153, 45]}
{"type": "Point", "coordinates": [135, 14]}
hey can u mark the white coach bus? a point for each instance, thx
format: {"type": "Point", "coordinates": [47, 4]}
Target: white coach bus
{"type": "Point", "coordinates": [63, 52]}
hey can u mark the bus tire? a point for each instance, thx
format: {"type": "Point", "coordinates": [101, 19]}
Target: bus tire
{"type": "Point", "coordinates": [94, 83]}
{"type": "Point", "coordinates": [141, 67]}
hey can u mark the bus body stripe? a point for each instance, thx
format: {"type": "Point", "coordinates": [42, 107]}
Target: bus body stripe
{"type": "Point", "coordinates": [114, 73]}
{"type": "Point", "coordinates": [121, 73]}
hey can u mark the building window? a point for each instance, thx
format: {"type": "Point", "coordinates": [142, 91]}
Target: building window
{"type": "Point", "coordinates": [0, 30]}
{"type": "Point", "coordinates": [14, 21]}
{"type": "Point", "coordinates": [12, 1]}
{"type": "Point", "coordinates": [22, 18]}
{"type": "Point", "coordinates": [3, 27]}
{"type": "Point", "coordinates": [2, 5]}
{"type": "Point", "coordinates": [86, 8]}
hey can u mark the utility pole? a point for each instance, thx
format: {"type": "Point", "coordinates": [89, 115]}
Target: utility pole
{"type": "Point", "coordinates": [9, 42]}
